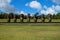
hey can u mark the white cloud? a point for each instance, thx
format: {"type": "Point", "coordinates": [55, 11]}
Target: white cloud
{"type": "Point", "coordinates": [45, 7]}
{"type": "Point", "coordinates": [9, 8]}
{"type": "Point", "coordinates": [57, 7]}
{"type": "Point", "coordinates": [43, 11]}
{"type": "Point", "coordinates": [4, 2]}
{"type": "Point", "coordinates": [6, 7]}
{"type": "Point", "coordinates": [34, 4]}
{"type": "Point", "coordinates": [22, 12]}
{"type": "Point", "coordinates": [56, 1]}
{"type": "Point", "coordinates": [27, 4]}
{"type": "Point", "coordinates": [9, 1]}
{"type": "Point", "coordinates": [52, 10]}
{"type": "Point", "coordinates": [48, 11]}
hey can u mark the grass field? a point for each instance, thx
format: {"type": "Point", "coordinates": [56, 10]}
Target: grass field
{"type": "Point", "coordinates": [32, 20]}
{"type": "Point", "coordinates": [29, 31]}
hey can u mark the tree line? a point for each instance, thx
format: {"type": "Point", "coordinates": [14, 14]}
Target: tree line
{"type": "Point", "coordinates": [28, 17]}
{"type": "Point", "coordinates": [5, 16]}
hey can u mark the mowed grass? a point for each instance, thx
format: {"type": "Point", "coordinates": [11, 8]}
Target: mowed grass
{"type": "Point", "coordinates": [18, 31]}
{"type": "Point", "coordinates": [31, 20]}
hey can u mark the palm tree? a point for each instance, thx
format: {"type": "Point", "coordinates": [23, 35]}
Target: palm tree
{"type": "Point", "coordinates": [49, 17]}
{"type": "Point", "coordinates": [43, 18]}
{"type": "Point", "coordinates": [28, 18]}
{"type": "Point", "coordinates": [21, 17]}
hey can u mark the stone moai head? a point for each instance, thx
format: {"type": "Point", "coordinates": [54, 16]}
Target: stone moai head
{"type": "Point", "coordinates": [43, 18]}
{"type": "Point", "coordinates": [35, 17]}
{"type": "Point", "coordinates": [49, 17]}
{"type": "Point", "coordinates": [8, 18]}
{"type": "Point", "coordinates": [21, 17]}
{"type": "Point", "coordinates": [28, 18]}
{"type": "Point", "coordinates": [15, 18]}
{"type": "Point", "coordinates": [28, 15]}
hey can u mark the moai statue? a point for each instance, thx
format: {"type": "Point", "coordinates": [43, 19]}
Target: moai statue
{"type": "Point", "coordinates": [35, 18]}
{"type": "Point", "coordinates": [43, 18]}
{"type": "Point", "coordinates": [15, 18]}
{"type": "Point", "coordinates": [8, 18]}
{"type": "Point", "coordinates": [21, 17]}
{"type": "Point", "coordinates": [28, 18]}
{"type": "Point", "coordinates": [49, 17]}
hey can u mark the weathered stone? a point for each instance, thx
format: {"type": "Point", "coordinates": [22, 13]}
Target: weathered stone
{"type": "Point", "coordinates": [15, 18]}
{"type": "Point", "coordinates": [8, 18]}
{"type": "Point", "coordinates": [43, 18]}
{"type": "Point", "coordinates": [35, 18]}
{"type": "Point", "coordinates": [21, 18]}
{"type": "Point", "coordinates": [28, 18]}
{"type": "Point", "coordinates": [50, 17]}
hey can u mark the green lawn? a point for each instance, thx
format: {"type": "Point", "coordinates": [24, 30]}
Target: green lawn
{"type": "Point", "coordinates": [25, 31]}
{"type": "Point", "coordinates": [32, 20]}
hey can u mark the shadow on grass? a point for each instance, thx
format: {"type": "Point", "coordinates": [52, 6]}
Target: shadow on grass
{"type": "Point", "coordinates": [31, 23]}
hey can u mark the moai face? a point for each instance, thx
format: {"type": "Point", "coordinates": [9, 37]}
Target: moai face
{"type": "Point", "coordinates": [49, 17]}
{"type": "Point", "coordinates": [28, 18]}
{"type": "Point", "coordinates": [43, 18]}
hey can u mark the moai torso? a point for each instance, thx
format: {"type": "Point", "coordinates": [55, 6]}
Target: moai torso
{"type": "Point", "coordinates": [21, 18]}
{"type": "Point", "coordinates": [15, 18]}
{"type": "Point", "coordinates": [8, 18]}
{"type": "Point", "coordinates": [28, 18]}
{"type": "Point", "coordinates": [43, 18]}
{"type": "Point", "coordinates": [35, 18]}
{"type": "Point", "coordinates": [49, 17]}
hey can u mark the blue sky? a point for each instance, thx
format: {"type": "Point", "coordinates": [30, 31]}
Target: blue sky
{"type": "Point", "coordinates": [20, 4]}
{"type": "Point", "coordinates": [31, 6]}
